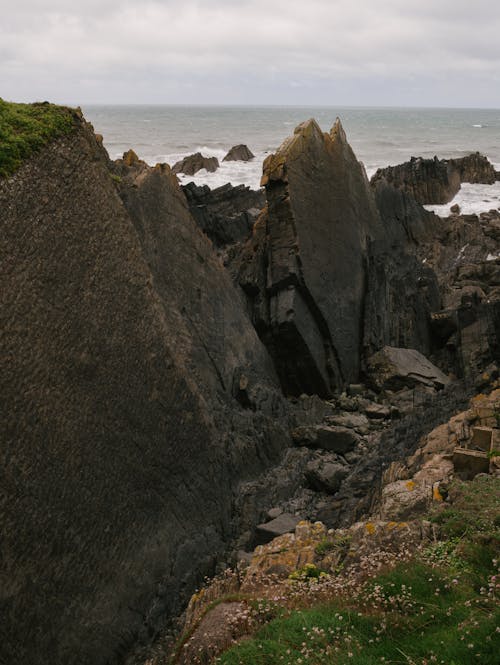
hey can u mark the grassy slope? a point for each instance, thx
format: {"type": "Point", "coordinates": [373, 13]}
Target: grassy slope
{"type": "Point", "coordinates": [440, 607]}
{"type": "Point", "coordinates": [25, 128]}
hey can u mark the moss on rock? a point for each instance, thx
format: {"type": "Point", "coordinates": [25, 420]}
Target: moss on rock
{"type": "Point", "coordinates": [25, 128]}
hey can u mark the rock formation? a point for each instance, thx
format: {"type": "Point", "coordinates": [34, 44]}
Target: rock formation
{"type": "Point", "coordinates": [225, 214]}
{"type": "Point", "coordinates": [239, 153]}
{"type": "Point", "coordinates": [428, 181]}
{"type": "Point", "coordinates": [194, 163]}
{"type": "Point", "coordinates": [304, 270]}
{"type": "Point", "coordinates": [131, 378]}
{"type": "Point", "coordinates": [475, 168]}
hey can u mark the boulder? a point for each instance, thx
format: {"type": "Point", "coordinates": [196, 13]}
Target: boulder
{"type": "Point", "coordinates": [393, 368]}
{"type": "Point", "coordinates": [325, 473]}
{"type": "Point", "coordinates": [428, 181]}
{"type": "Point", "coordinates": [239, 153]}
{"type": "Point", "coordinates": [327, 437]}
{"type": "Point", "coordinates": [304, 268]}
{"type": "Point", "coordinates": [194, 163]}
{"type": "Point", "coordinates": [284, 523]}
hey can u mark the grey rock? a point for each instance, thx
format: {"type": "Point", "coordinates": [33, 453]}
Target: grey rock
{"type": "Point", "coordinates": [395, 368]}
{"type": "Point", "coordinates": [327, 437]}
{"type": "Point", "coordinates": [194, 163]}
{"type": "Point", "coordinates": [326, 473]}
{"type": "Point", "coordinates": [284, 523]}
{"type": "Point", "coordinates": [239, 153]}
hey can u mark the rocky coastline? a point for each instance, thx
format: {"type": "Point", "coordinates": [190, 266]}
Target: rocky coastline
{"type": "Point", "coordinates": [190, 373]}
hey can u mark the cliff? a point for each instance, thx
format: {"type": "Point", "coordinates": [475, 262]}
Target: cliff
{"type": "Point", "coordinates": [125, 349]}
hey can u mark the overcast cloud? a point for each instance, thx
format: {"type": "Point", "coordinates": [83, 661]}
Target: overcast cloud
{"type": "Point", "coordinates": [338, 52]}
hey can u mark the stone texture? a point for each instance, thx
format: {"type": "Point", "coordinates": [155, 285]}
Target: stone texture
{"type": "Point", "coordinates": [428, 181]}
{"type": "Point", "coordinates": [475, 168]}
{"type": "Point", "coordinates": [239, 153]}
{"type": "Point", "coordinates": [393, 368]}
{"type": "Point", "coordinates": [284, 523]}
{"type": "Point", "coordinates": [303, 270]}
{"type": "Point", "coordinates": [325, 473]}
{"type": "Point", "coordinates": [121, 339]}
{"type": "Point", "coordinates": [333, 438]}
{"type": "Point", "coordinates": [194, 163]}
{"type": "Point", "coordinates": [225, 214]}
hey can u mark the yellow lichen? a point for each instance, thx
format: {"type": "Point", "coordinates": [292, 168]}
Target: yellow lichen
{"type": "Point", "coordinates": [410, 485]}
{"type": "Point", "coordinates": [370, 527]}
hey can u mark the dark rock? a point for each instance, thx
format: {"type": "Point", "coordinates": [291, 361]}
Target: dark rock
{"type": "Point", "coordinates": [284, 523]}
{"type": "Point", "coordinates": [378, 411]}
{"type": "Point", "coordinates": [428, 181]}
{"type": "Point", "coordinates": [455, 209]}
{"type": "Point", "coordinates": [393, 368]}
{"type": "Point", "coordinates": [194, 163]}
{"type": "Point", "coordinates": [239, 153]}
{"type": "Point", "coordinates": [327, 437]}
{"type": "Point", "coordinates": [225, 214]}
{"type": "Point", "coordinates": [475, 168]}
{"type": "Point", "coordinates": [326, 473]}
{"type": "Point", "coordinates": [122, 443]}
{"type": "Point", "coordinates": [303, 270]}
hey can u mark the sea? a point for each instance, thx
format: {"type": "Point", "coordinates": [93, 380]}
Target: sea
{"type": "Point", "coordinates": [379, 137]}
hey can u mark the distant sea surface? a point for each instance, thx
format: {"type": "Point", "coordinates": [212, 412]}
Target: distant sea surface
{"type": "Point", "coordinates": [378, 136]}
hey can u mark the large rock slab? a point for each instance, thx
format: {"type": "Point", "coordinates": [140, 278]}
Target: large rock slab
{"type": "Point", "coordinates": [475, 168]}
{"type": "Point", "coordinates": [304, 269]}
{"type": "Point", "coordinates": [124, 345]}
{"type": "Point", "coordinates": [333, 438]}
{"type": "Point", "coordinates": [393, 369]}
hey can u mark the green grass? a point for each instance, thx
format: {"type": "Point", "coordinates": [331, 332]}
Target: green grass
{"type": "Point", "coordinates": [439, 607]}
{"type": "Point", "coordinates": [25, 128]}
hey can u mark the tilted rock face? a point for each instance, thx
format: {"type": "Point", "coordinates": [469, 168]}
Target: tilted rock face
{"type": "Point", "coordinates": [125, 349]}
{"type": "Point", "coordinates": [304, 269]}
{"type": "Point", "coordinates": [428, 181]}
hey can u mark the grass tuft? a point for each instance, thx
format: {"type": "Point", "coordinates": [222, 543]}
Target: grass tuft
{"type": "Point", "coordinates": [25, 128]}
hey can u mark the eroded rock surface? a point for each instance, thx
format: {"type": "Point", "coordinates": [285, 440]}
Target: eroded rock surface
{"type": "Point", "coordinates": [124, 347]}
{"type": "Point", "coordinates": [239, 153]}
{"type": "Point", "coordinates": [194, 163]}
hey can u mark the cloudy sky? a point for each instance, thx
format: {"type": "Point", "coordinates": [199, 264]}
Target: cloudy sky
{"type": "Point", "coordinates": [338, 52]}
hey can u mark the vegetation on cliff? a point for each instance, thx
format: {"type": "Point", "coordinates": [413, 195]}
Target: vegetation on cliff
{"type": "Point", "coordinates": [437, 603]}
{"type": "Point", "coordinates": [25, 128]}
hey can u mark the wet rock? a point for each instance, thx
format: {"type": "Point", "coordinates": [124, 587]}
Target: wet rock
{"type": "Point", "coordinates": [475, 168]}
{"type": "Point", "coordinates": [393, 368]}
{"type": "Point", "coordinates": [239, 153]}
{"type": "Point", "coordinates": [194, 163]}
{"type": "Point", "coordinates": [455, 209]}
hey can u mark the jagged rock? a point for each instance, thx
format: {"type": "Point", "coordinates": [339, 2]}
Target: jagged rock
{"type": "Point", "coordinates": [122, 335]}
{"type": "Point", "coordinates": [280, 525]}
{"type": "Point", "coordinates": [428, 181]}
{"type": "Point", "coordinates": [226, 214]}
{"type": "Point", "coordinates": [327, 437]}
{"type": "Point", "coordinates": [303, 270]}
{"type": "Point", "coordinates": [393, 368]}
{"type": "Point", "coordinates": [326, 473]}
{"type": "Point", "coordinates": [475, 168]}
{"type": "Point", "coordinates": [239, 153]}
{"type": "Point", "coordinates": [194, 163]}
{"type": "Point", "coordinates": [455, 209]}
{"type": "Point", "coordinates": [130, 158]}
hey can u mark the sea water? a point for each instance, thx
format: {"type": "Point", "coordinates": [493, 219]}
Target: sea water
{"type": "Point", "coordinates": [379, 137]}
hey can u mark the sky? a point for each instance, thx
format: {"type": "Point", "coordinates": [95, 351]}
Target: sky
{"type": "Point", "coordinates": [299, 52]}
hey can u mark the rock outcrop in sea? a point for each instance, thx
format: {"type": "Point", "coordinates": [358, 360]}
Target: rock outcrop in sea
{"type": "Point", "coordinates": [239, 153]}
{"type": "Point", "coordinates": [178, 385]}
{"type": "Point", "coordinates": [194, 163]}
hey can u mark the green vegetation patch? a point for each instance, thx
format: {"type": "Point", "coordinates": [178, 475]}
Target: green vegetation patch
{"type": "Point", "coordinates": [25, 128]}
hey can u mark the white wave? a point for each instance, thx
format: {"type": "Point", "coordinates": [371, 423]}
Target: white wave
{"type": "Point", "coordinates": [472, 199]}
{"type": "Point", "coordinates": [480, 126]}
